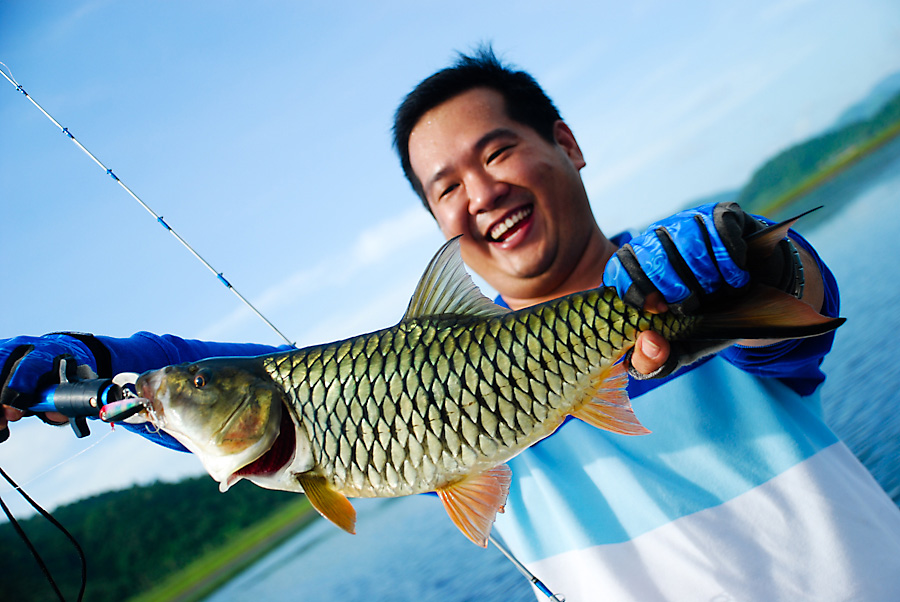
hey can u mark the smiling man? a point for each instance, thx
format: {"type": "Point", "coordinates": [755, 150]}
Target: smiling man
{"type": "Point", "coordinates": [741, 491]}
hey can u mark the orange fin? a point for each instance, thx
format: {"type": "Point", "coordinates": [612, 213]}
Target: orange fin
{"type": "Point", "coordinates": [329, 503]}
{"type": "Point", "coordinates": [474, 502]}
{"type": "Point", "coordinates": [609, 408]}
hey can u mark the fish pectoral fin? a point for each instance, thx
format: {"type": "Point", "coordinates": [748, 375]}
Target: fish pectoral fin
{"type": "Point", "coordinates": [607, 405]}
{"type": "Point", "coordinates": [473, 503]}
{"type": "Point", "coordinates": [328, 502]}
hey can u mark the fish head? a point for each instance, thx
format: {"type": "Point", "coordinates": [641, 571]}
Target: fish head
{"type": "Point", "coordinates": [227, 411]}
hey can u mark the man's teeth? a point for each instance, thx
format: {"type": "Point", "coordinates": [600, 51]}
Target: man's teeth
{"type": "Point", "coordinates": [503, 227]}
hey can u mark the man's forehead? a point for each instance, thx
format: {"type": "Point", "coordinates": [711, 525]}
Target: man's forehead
{"type": "Point", "coordinates": [470, 119]}
{"type": "Point", "coordinates": [474, 103]}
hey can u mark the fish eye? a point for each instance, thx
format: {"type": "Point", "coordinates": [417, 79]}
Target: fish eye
{"type": "Point", "coordinates": [201, 379]}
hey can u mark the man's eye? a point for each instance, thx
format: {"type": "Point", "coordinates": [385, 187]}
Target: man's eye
{"type": "Point", "coordinates": [498, 152]}
{"type": "Point", "coordinates": [447, 190]}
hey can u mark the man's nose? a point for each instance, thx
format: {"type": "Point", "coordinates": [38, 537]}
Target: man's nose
{"type": "Point", "coordinates": [484, 192]}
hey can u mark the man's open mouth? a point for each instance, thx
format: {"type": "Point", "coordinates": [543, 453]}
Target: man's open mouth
{"type": "Point", "coordinates": [505, 228]}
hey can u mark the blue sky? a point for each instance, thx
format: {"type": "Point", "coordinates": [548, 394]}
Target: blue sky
{"type": "Point", "coordinates": [261, 132]}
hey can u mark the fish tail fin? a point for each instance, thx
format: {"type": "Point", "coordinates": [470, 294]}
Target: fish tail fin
{"type": "Point", "coordinates": [762, 313]}
{"type": "Point", "coordinates": [765, 313]}
{"type": "Point", "coordinates": [607, 405]}
{"type": "Point", "coordinates": [763, 243]}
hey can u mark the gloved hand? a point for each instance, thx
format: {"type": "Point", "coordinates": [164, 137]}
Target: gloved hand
{"type": "Point", "coordinates": [30, 364]}
{"type": "Point", "coordinates": [695, 254]}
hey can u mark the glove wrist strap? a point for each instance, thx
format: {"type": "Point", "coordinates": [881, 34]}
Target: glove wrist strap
{"type": "Point", "coordinates": [799, 278]}
{"type": "Point", "coordinates": [100, 352]}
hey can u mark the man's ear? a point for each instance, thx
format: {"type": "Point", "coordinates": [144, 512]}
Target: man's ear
{"type": "Point", "coordinates": [566, 139]}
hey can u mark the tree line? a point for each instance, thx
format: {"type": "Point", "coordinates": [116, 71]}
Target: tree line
{"type": "Point", "coordinates": [789, 169]}
{"type": "Point", "coordinates": [132, 538]}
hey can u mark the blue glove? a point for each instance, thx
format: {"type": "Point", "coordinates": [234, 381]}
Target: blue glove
{"type": "Point", "coordinates": [30, 364]}
{"type": "Point", "coordinates": [695, 254]}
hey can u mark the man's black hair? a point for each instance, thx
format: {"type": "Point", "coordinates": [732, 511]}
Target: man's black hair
{"type": "Point", "coordinates": [525, 101]}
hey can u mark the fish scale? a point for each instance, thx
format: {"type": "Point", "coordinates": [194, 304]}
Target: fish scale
{"type": "Point", "coordinates": [408, 411]}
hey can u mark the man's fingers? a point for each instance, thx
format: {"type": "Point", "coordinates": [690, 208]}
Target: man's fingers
{"type": "Point", "coordinates": [56, 417]}
{"type": "Point", "coordinates": [9, 414]}
{"type": "Point", "coordinates": [655, 303]}
{"type": "Point", "coordinates": [650, 352]}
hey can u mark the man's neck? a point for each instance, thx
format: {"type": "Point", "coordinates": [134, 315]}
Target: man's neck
{"type": "Point", "coordinates": [587, 274]}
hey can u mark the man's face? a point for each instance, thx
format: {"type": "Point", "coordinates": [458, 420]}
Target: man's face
{"type": "Point", "coordinates": [517, 199]}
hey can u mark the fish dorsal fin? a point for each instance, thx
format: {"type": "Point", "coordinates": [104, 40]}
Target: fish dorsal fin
{"type": "Point", "coordinates": [474, 502]}
{"type": "Point", "coordinates": [447, 288]}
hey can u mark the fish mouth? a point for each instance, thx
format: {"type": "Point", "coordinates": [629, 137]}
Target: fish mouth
{"type": "Point", "coordinates": [153, 408]}
{"type": "Point", "coordinates": [509, 224]}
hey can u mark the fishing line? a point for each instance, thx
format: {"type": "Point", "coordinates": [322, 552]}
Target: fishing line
{"type": "Point", "coordinates": [33, 550]}
{"type": "Point", "coordinates": [528, 575]}
{"type": "Point", "coordinates": [67, 460]}
{"type": "Point", "coordinates": [159, 219]}
{"type": "Point", "coordinates": [49, 517]}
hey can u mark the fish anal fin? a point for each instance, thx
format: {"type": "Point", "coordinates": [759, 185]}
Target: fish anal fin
{"type": "Point", "coordinates": [607, 405]}
{"type": "Point", "coordinates": [473, 503]}
{"type": "Point", "coordinates": [331, 504]}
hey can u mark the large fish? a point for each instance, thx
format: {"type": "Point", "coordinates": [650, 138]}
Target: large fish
{"type": "Point", "coordinates": [438, 402]}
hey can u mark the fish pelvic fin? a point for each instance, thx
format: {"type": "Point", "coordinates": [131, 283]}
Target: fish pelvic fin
{"type": "Point", "coordinates": [473, 503]}
{"type": "Point", "coordinates": [447, 288]}
{"type": "Point", "coordinates": [607, 406]}
{"type": "Point", "coordinates": [328, 502]}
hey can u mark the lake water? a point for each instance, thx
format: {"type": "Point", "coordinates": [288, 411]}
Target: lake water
{"type": "Point", "coordinates": [407, 549]}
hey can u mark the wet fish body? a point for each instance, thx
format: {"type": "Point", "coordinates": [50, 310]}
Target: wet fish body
{"type": "Point", "coordinates": [438, 402]}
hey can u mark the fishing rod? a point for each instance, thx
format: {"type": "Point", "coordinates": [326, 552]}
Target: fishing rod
{"type": "Point", "coordinates": [526, 573]}
{"type": "Point", "coordinates": [221, 278]}
{"type": "Point", "coordinates": [109, 400]}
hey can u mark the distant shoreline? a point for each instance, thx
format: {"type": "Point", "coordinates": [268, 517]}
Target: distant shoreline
{"type": "Point", "coordinates": [846, 159]}
{"type": "Point", "coordinates": [210, 571]}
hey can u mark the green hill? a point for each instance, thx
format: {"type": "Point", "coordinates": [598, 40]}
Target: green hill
{"type": "Point", "coordinates": [804, 166]}
{"type": "Point", "coordinates": [139, 538]}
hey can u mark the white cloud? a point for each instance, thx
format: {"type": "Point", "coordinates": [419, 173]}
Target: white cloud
{"type": "Point", "coordinates": [379, 243]}
{"type": "Point", "coordinates": [693, 108]}
{"type": "Point", "coordinates": [391, 235]}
